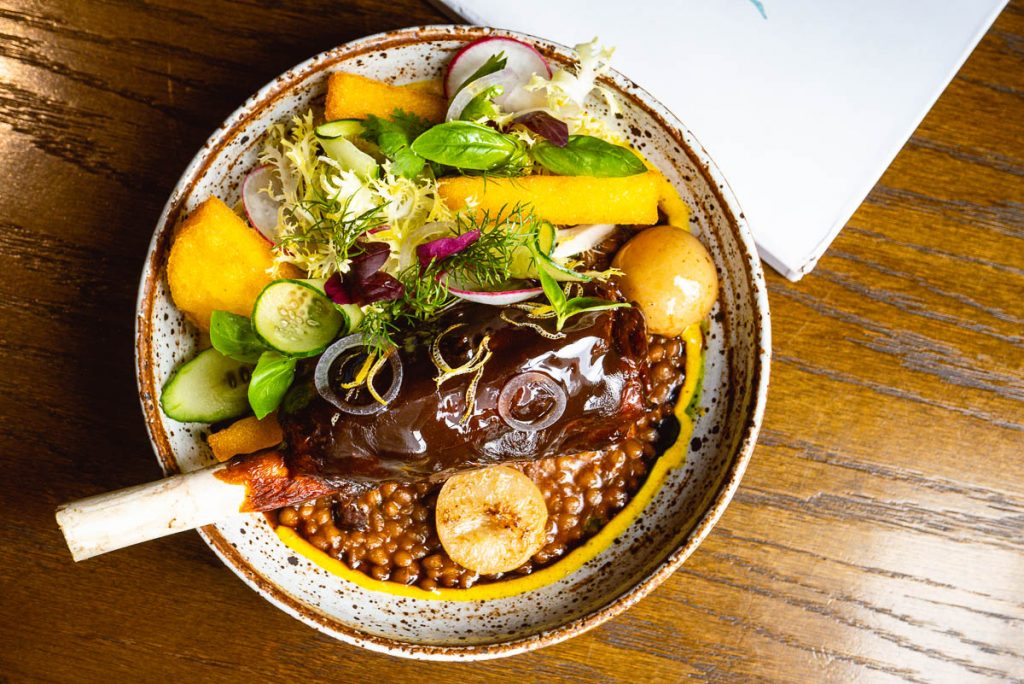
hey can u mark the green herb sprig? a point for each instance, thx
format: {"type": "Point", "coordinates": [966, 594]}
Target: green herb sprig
{"type": "Point", "coordinates": [494, 63]}
{"type": "Point", "coordinates": [330, 224]}
{"type": "Point", "coordinates": [232, 335]}
{"type": "Point", "coordinates": [486, 263]}
{"type": "Point", "coordinates": [469, 146]}
{"type": "Point", "coordinates": [566, 307]}
{"type": "Point", "coordinates": [394, 137]}
{"type": "Point", "coordinates": [270, 381]}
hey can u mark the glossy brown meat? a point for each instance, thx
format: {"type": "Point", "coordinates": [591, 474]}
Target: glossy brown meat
{"type": "Point", "coordinates": [600, 361]}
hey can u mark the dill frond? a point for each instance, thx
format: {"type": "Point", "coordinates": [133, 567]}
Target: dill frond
{"type": "Point", "coordinates": [486, 263]}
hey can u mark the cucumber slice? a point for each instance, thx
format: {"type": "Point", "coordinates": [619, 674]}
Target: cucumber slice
{"type": "Point", "coordinates": [340, 128]}
{"type": "Point", "coordinates": [352, 312]}
{"type": "Point", "coordinates": [559, 272]}
{"type": "Point", "coordinates": [537, 254]}
{"type": "Point", "coordinates": [350, 157]}
{"type": "Point", "coordinates": [523, 260]}
{"type": "Point", "coordinates": [336, 139]}
{"type": "Point", "coordinates": [295, 318]}
{"type": "Point", "coordinates": [208, 389]}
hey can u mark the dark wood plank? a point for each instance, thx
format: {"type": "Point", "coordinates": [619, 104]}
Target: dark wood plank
{"type": "Point", "coordinates": [877, 534]}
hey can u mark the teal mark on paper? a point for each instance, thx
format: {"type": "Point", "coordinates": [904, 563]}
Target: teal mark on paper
{"type": "Point", "coordinates": [760, 7]}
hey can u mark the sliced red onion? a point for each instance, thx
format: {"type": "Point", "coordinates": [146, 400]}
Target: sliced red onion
{"type": "Point", "coordinates": [260, 207]}
{"type": "Point", "coordinates": [523, 392]}
{"type": "Point", "coordinates": [555, 131]}
{"type": "Point", "coordinates": [506, 78]}
{"type": "Point", "coordinates": [324, 384]}
{"type": "Point", "coordinates": [442, 248]}
{"type": "Point", "coordinates": [578, 239]}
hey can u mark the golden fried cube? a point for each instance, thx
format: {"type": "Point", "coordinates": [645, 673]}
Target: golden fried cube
{"type": "Point", "coordinates": [354, 97]}
{"type": "Point", "coordinates": [563, 200]}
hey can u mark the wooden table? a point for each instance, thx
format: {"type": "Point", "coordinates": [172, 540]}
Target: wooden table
{"type": "Point", "coordinates": [878, 534]}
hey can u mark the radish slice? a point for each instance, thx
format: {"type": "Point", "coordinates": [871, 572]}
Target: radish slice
{"type": "Point", "coordinates": [261, 208]}
{"type": "Point", "coordinates": [498, 298]}
{"type": "Point", "coordinates": [579, 239]}
{"type": "Point", "coordinates": [521, 58]}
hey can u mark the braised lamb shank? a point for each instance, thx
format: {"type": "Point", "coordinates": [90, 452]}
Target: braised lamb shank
{"type": "Point", "coordinates": [539, 392]}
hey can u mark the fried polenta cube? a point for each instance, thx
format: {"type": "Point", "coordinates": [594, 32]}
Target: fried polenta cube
{"type": "Point", "coordinates": [217, 262]}
{"type": "Point", "coordinates": [246, 436]}
{"type": "Point", "coordinates": [350, 96]}
{"type": "Point", "coordinates": [564, 200]}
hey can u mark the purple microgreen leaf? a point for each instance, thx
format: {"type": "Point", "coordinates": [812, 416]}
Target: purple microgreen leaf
{"type": "Point", "coordinates": [363, 266]}
{"type": "Point", "coordinates": [336, 290]}
{"type": "Point", "coordinates": [548, 127]}
{"type": "Point", "coordinates": [442, 248]}
{"type": "Point", "coordinates": [380, 287]}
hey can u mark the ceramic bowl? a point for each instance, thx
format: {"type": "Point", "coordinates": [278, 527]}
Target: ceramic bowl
{"type": "Point", "coordinates": [670, 527]}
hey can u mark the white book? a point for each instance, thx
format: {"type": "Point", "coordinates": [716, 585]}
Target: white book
{"type": "Point", "coordinates": [801, 103]}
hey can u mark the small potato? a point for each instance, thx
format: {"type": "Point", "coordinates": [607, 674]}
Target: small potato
{"type": "Point", "coordinates": [671, 277]}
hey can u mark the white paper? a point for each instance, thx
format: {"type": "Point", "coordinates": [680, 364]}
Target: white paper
{"type": "Point", "coordinates": [802, 109]}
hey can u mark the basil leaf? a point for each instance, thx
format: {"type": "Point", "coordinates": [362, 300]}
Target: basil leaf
{"type": "Point", "coordinates": [494, 63]}
{"type": "Point", "coordinates": [465, 145]}
{"type": "Point", "coordinates": [482, 106]}
{"type": "Point", "coordinates": [271, 378]}
{"type": "Point", "coordinates": [232, 335]}
{"type": "Point", "coordinates": [394, 138]}
{"type": "Point", "coordinates": [585, 155]}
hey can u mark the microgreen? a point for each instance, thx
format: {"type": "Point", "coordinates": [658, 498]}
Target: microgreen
{"type": "Point", "coordinates": [486, 262]}
{"type": "Point", "coordinates": [394, 138]}
{"type": "Point", "coordinates": [494, 63]}
{"type": "Point", "coordinates": [566, 307]}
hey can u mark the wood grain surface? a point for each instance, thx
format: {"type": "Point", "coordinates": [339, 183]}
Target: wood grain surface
{"type": "Point", "coordinates": [878, 534]}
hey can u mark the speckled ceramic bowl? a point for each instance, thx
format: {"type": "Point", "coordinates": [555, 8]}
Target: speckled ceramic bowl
{"type": "Point", "coordinates": [670, 527]}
